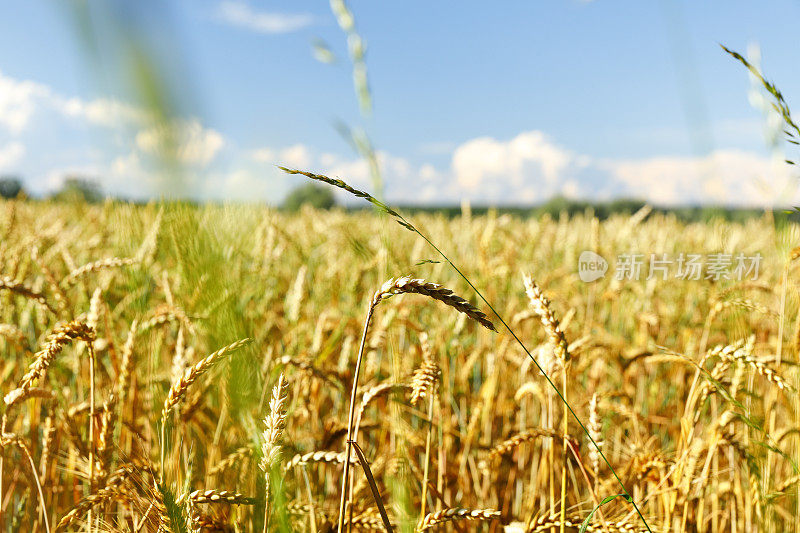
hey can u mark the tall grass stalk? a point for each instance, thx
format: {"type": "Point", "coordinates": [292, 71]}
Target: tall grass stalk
{"type": "Point", "coordinates": [406, 224]}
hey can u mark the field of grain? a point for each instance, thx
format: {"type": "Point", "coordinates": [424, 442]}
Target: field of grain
{"type": "Point", "coordinates": [179, 368]}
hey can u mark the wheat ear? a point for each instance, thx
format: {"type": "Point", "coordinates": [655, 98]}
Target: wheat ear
{"type": "Point", "coordinates": [79, 272]}
{"type": "Point", "coordinates": [42, 360]}
{"type": "Point", "coordinates": [409, 285]}
{"type": "Point", "coordinates": [233, 458]}
{"type": "Point", "coordinates": [316, 457]}
{"type": "Point", "coordinates": [221, 496]}
{"type": "Point", "coordinates": [190, 375]}
{"type": "Point", "coordinates": [124, 377]}
{"type": "Point", "coordinates": [514, 442]}
{"type": "Point", "coordinates": [595, 431]}
{"type": "Point", "coordinates": [20, 288]}
{"type": "Point", "coordinates": [20, 394]}
{"type": "Point", "coordinates": [402, 285]}
{"type": "Point", "coordinates": [111, 491]}
{"type": "Point", "coordinates": [425, 378]}
{"type": "Point", "coordinates": [541, 306]}
{"type": "Point", "coordinates": [377, 391]}
{"type": "Point", "coordinates": [450, 515]}
{"type": "Point", "coordinates": [274, 423]}
{"type": "Point", "coordinates": [743, 356]}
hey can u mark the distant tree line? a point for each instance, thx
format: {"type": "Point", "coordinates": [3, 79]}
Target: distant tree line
{"type": "Point", "coordinates": [74, 188]}
{"type": "Point", "coordinates": [557, 206]}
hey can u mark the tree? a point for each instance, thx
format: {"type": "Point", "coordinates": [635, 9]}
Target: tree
{"type": "Point", "coordinates": [10, 187]}
{"type": "Point", "coordinates": [312, 194]}
{"type": "Point", "coordinates": [77, 189]}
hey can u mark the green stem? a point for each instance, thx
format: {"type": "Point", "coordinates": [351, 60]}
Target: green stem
{"type": "Point", "coordinates": [629, 498]}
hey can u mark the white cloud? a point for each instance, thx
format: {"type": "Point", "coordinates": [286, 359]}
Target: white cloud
{"type": "Point", "coordinates": [529, 164]}
{"type": "Point", "coordinates": [194, 145]}
{"type": "Point", "coordinates": [106, 112]}
{"type": "Point", "coordinates": [240, 185]}
{"type": "Point", "coordinates": [21, 99]}
{"type": "Point", "coordinates": [298, 156]}
{"type": "Point", "coordinates": [295, 156]}
{"type": "Point", "coordinates": [18, 102]}
{"type": "Point", "coordinates": [10, 155]}
{"type": "Point", "coordinates": [732, 177]}
{"type": "Point", "coordinates": [531, 168]}
{"type": "Point", "coordinates": [240, 14]}
{"type": "Point", "coordinates": [263, 155]}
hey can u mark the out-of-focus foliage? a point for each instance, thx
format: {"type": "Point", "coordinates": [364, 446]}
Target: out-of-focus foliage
{"type": "Point", "coordinates": [10, 187]}
{"type": "Point", "coordinates": [310, 194]}
{"type": "Point", "coordinates": [79, 189]}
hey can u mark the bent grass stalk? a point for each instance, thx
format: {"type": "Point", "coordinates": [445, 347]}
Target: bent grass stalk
{"type": "Point", "coordinates": [403, 285]}
{"type": "Point", "coordinates": [406, 224]}
{"type": "Point", "coordinates": [9, 438]}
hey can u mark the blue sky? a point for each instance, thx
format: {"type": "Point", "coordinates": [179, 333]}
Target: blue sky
{"type": "Point", "coordinates": [500, 103]}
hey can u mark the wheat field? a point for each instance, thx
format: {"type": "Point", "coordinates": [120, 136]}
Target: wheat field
{"type": "Point", "coordinates": [175, 368]}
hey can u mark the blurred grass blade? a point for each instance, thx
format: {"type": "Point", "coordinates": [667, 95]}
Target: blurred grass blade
{"type": "Point", "coordinates": [373, 486]}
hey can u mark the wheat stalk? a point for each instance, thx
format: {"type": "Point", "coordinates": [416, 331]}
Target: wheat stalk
{"type": "Point", "coordinates": [7, 439]}
{"type": "Point", "coordinates": [402, 285]}
{"type": "Point", "coordinates": [541, 306]}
